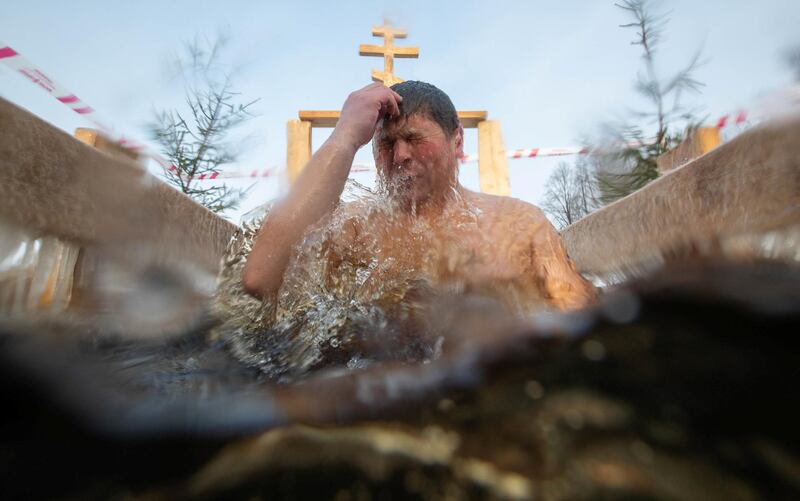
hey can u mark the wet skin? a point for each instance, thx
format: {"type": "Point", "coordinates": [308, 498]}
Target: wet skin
{"type": "Point", "coordinates": [506, 241]}
{"type": "Point", "coordinates": [417, 161]}
{"type": "Point", "coordinates": [485, 242]}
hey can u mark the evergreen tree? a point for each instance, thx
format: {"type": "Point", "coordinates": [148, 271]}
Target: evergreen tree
{"type": "Point", "coordinates": [657, 128]}
{"type": "Point", "coordinates": [195, 140]}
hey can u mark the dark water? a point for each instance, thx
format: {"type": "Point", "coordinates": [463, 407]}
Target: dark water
{"type": "Point", "coordinates": [678, 386]}
{"type": "Point", "coordinates": [372, 283]}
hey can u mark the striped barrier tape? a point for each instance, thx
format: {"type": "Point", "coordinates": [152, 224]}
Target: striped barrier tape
{"type": "Point", "coordinates": [528, 153]}
{"type": "Point", "coordinates": [36, 76]}
{"type": "Point", "coordinates": [20, 64]}
{"type": "Point", "coordinates": [254, 174]}
{"type": "Point", "coordinates": [738, 118]}
{"type": "Point", "coordinates": [535, 152]}
{"type": "Point", "coordinates": [32, 73]}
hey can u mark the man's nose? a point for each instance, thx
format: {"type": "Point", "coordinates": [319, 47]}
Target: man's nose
{"type": "Point", "coordinates": [401, 152]}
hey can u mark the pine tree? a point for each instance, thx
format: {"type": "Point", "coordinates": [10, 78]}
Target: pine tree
{"type": "Point", "coordinates": [195, 140]}
{"type": "Point", "coordinates": [659, 127]}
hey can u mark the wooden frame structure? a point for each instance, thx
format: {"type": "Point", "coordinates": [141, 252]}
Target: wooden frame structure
{"type": "Point", "coordinates": [492, 162]}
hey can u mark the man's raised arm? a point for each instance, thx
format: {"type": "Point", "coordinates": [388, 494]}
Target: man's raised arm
{"type": "Point", "coordinates": [317, 189]}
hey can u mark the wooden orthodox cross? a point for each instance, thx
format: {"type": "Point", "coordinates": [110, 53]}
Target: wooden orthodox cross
{"type": "Point", "coordinates": [388, 51]}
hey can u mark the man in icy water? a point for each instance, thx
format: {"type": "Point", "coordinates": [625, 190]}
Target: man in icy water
{"type": "Point", "coordinates": [326, 272]}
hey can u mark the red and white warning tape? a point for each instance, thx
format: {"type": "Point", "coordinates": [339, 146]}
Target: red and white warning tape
{"type": "Point", "coordinates": [737, 118]}
{"type": "Point", "coordinates": [17, 62]}
{"type": "Point", "coordinates": [529, 153]}
{"type": "Point", "coordinates": [255, 174]}
{"type": "Point", "coordinates": [35, 75]}
{"type": "Point", "coordinates": [535, 152]}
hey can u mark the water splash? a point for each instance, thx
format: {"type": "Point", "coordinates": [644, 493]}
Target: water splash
{"type": "Point", "coordinates": [367, 284]}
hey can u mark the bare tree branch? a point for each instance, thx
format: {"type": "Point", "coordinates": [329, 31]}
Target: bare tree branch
{"type": "Point", "coordinates": [570, 193]}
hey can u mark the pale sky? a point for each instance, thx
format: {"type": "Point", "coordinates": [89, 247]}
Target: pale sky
{"type": "Point", "coordinates": [549, 71]}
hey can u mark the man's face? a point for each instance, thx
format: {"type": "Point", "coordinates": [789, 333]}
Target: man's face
{"type": "Point", "coordinates": [416, 160]}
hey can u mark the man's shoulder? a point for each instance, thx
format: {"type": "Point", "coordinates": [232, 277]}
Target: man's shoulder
{"type": "Point", "coordinates": [500, 204]}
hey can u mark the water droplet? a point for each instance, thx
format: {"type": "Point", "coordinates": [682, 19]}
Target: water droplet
{"type": "Point", "coordinates": [593, 350]}
{"type": "Point", "coordinates": [534, 389]}
{"type": "Point", "coordinates": [621, 307]}
{"type": "Point", "coordinates": [574, 419]}
{"type": "Point", "coordinates": [642, 451]}
{"type": "Point", "coordinates": [445, 405]}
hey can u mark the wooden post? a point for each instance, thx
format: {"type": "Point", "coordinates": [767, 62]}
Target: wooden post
{"type": "Point", "coordinates": [95, 138]}
{"type": "Point", "coordinates": [298, 150]}
{"type": "Point", "coordinates": [492, 162]}
{"type": "Point", "coordinates": [700, 142]}
{"type": "Point", "coordinates": [707, 139]}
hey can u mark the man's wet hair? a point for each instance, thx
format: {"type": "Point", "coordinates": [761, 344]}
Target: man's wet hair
{"type": "Point", "coordinates": [429, 101]}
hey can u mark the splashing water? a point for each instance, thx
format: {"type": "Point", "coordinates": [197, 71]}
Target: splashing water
{"type": "Point", "coordinates": [367, 283]}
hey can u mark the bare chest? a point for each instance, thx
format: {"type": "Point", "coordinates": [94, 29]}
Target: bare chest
{"type": "Point", "coordinates": [476, 252]}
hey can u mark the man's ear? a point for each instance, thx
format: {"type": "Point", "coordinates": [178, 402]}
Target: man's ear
{"type": "Point", "coordinates": [459, 141]}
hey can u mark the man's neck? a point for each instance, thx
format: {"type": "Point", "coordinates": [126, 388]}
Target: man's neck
{"type": "Point", "coordinates": [436, 205]}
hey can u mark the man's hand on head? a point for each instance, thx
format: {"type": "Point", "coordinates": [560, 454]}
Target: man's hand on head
{"type": "Point", "coordinates": [317, 190]}
{"type": "Point", "coordinates": [362, 111]}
